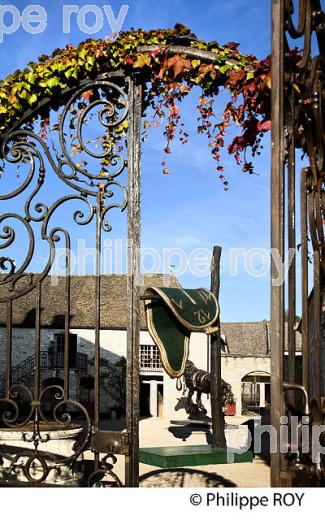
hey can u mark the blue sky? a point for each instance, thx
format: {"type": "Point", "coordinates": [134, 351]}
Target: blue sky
{"type": "Point", "coordinates": [188, 208]}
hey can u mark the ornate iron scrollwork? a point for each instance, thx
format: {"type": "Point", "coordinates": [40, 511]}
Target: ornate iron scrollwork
{"type": "Point", "coordinates": [90, 168]}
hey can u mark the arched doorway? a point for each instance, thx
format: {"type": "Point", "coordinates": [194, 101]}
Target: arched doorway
{"type": "Point", "coordinates": [256, 391]}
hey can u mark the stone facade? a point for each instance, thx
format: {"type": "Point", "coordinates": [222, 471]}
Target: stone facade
{"type": "Point", "coordinates": [113, 346]}
{"type": "Point", "coordinates": [246, 345]}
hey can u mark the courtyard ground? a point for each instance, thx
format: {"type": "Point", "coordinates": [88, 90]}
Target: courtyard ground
{"type": "Point", "coordinates": [161, 432]}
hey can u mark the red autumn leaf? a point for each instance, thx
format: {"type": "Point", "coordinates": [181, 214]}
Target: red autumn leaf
{"type": "Point", "coordinates": [161, 73]}
{"type": "Point", "coordinates": [184, 89]}
{"type": "Point", "coordinates": [178, 64]}
{"type": "Point", "coordinates": [248, 167]}
{"type": "Point", "coordinates": [155, 52]}
{"type": "Point", "coordinates": [45, 122]}
{"type": "Point", "coordinates": [174, 110]}
{"type": "Point", "coordinates": [232, 45]}
{"type": "Point", "coordinates": [87, 95]}
{"type": "Point", "coordinates": [264, 126]}
{"type": "Point", "coordinates": [235, 76]}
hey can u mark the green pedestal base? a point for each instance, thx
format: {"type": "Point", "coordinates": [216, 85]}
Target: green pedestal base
{"type": "Point", "coordinates": [180, 456]}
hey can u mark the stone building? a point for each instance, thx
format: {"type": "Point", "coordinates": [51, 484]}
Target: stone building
{"type": "Point", "coordinates": [245, 360]}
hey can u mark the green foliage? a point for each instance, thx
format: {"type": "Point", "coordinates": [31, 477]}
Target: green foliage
{"type": "Point", "coordinates": [169, 78]}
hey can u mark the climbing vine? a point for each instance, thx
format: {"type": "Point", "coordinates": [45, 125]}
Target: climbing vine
{"type": "Point", "coordinates": [169, 78]}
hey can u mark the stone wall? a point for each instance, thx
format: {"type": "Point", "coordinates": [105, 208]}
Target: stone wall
{"type": "Point", "coordinates": [23, 341]}
{"type": "Point", "coordinates": [235, 368]}
{"type": "Point", "coordinates": [113, 345]}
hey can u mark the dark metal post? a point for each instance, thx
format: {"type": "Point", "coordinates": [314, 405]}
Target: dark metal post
{"type": "Point", "coordinates": [304, 278]}
{"type": "Point", "coordinates": [8, 347]}
{"type": "Point", "coordinates": [133, 298]}
{"type": "Point", "coordinates": [218, 422]}
{"type": "Point", "coordinates": [277, 230]}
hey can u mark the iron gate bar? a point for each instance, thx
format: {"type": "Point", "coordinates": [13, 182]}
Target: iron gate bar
{"type": "Point", "coordinates": [8, 347]}
{"type": "Point", "coordinates": [97, 308]}
{"type": "Point", "coordinates": [291, 189]}
{"type": "Point", "coordinates": [277, 229]}
{"type": "Point", "coordinates": [67, 302]}
{"type": "Point", "coordinates": [317, 309]}
{"type": "Point", "coordinates": [96, 426]}
{"type": "Point", "coordinates": [304, 277]}
{"type": "Point", "coordinates": [133, 280]}
{"type": "Point", "coordinates": [37, 374]}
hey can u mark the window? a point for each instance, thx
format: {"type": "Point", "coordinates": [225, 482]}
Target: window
{"type": "Point", "coordinates": [150, 358]}
{"type": "Point", "coordinates": [59, 350]}
{"type": "Point", "coordinates": [59, 343]}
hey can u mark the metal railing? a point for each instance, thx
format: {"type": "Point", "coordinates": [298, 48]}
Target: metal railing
{"type": "Point", "coordinates": [47, 362]}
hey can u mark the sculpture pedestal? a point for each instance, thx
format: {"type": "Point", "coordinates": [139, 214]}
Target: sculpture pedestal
{"type": "Point", "coordinates": [182, 456]}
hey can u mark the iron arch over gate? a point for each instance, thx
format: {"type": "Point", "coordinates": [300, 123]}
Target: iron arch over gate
{"type": "Point", "coordinates": [298, 121]}
{"type": "Point", "coordinates": [94, 185]}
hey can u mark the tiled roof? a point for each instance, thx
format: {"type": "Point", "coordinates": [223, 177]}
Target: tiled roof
{"type": "Point", "coordinates": [113, 308]}
{"type": "Point", "coordinates": [251, 338]}
{"type": "Point", "coordinates": [242, 338]}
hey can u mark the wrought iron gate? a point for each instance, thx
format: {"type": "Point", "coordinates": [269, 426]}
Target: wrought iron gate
{"type": "Point", "coordinates": [297, 226]}
{"type": "Point", "coordinates": [90, 174]}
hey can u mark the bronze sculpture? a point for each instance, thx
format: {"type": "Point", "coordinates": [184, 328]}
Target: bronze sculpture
{"type": "Point", "coordinates": [199, 381]}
